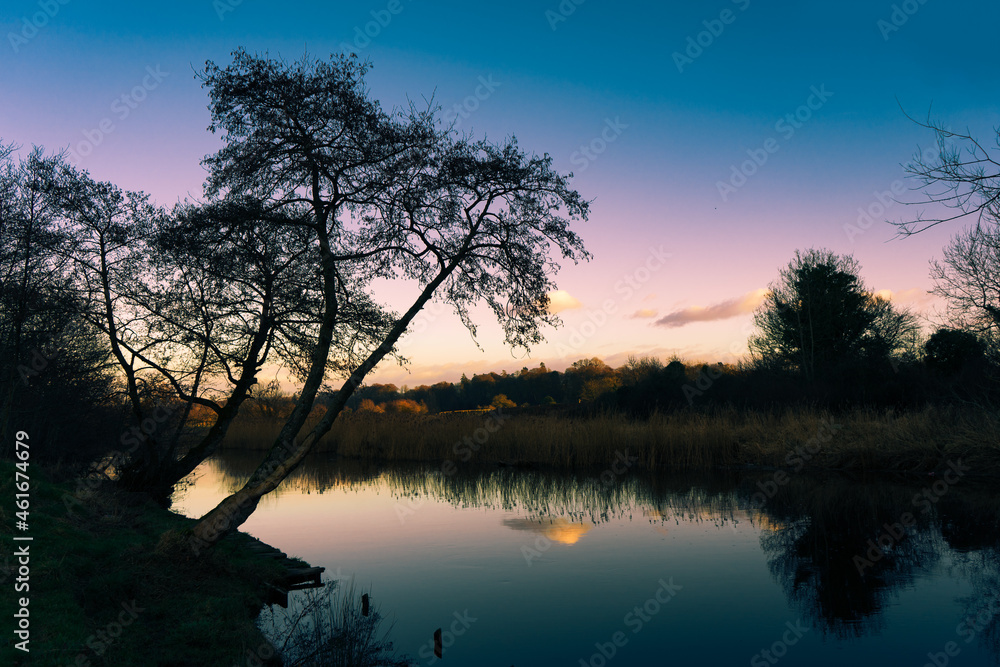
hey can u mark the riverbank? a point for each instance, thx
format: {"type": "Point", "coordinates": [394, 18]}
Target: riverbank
{"type": "Point", "coordinates": [864, 440]}
{"type": "Point", "coordinates": [105, 587]}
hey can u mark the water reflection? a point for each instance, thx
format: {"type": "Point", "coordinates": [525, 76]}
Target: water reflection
{"type": "Point", "coordinates": [829, 552]}
{"type": "Point", "coordinates": [558, 529]}
{"type": "Point", "coordinates": [841, 550]}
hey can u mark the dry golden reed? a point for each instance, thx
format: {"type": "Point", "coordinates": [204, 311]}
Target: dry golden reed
{"type": "Point", "coordinates": [860, 440]}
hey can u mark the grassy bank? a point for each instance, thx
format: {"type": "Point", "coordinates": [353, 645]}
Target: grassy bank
{"type": "Point", "coordinates": [918, 441]}
{"type": "Point", "coordinates": [102, 570]}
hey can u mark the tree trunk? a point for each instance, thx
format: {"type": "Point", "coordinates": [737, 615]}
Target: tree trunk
{"type": "Point", "coordinates": [287, 454]}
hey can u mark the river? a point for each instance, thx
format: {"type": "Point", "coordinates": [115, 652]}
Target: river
{"type": "Point", "coordinates": [614, 567]}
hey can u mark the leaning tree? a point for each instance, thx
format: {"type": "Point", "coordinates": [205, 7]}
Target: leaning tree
{"type": "Point", "coordinates": [380, 195]}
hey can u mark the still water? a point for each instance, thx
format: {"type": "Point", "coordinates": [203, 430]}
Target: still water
{"type": "Point", "coordinates": [531, 567]}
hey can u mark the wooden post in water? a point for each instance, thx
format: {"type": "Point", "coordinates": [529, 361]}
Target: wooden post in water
{"type": "Point", "coordinates": [437, 643]}
{"type": "Point", "coordinates": [364, 604]}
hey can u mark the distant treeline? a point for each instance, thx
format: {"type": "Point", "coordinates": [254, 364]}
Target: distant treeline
{"type": "Point", "coordinates": [646, 384]}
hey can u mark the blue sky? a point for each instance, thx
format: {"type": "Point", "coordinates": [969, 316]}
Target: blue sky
{"type": "Point", "coordinates": [562, 77]}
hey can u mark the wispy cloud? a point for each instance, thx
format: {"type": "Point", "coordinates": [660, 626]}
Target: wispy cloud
{"type": "Point", "coordinates": [644, 314]}
{"type": "Point", "coordinates": [561, 300]}
{"type": "Point", "coordinates": [718, 311]}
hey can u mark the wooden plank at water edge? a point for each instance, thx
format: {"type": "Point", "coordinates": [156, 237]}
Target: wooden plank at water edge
{"type": "Point", "coordinates": [306, 577]}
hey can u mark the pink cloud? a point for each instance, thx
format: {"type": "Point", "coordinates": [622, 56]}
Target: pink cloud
{"type": "Point", "coordinates": [718, 311]}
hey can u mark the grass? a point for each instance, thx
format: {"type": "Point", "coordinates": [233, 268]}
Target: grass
{"type": "Point", "coordinates": [330, 627]}
{"type": "Point", "coordinates": [913, 441]}
{"type": "Point", "coordinates": [117, 549]}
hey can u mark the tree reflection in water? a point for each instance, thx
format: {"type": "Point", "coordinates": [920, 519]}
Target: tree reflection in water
{"type": "Point", "coordinates": [820, 530]}
{"type": "Point", "coordinates": [811, 530]}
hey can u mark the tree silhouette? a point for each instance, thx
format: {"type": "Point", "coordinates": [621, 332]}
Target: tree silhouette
{"type": "Point", "coordinates": [54, 367]}
{"type": "Point", "coordinates": [963, 180]}
{"type": "Point", "coordinates": [380, 196]}
{"type": "Point", "coordinates": [964, 176]}
{"type": "Point", "coordinates": [191, 303]}
{"type": "Point", "coordinates": [819, 316]}
{"type": "Point", "coordinates": [948, 351]}
{"type": "Point", "coordinates": [969, 279]}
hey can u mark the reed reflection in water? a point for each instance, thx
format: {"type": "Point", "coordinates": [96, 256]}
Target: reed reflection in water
{"type": "Point", "coordinates": [460, 542]}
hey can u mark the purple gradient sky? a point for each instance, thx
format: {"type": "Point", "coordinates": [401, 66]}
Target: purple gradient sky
{"type": "Point", "coordinates": [556, 89]}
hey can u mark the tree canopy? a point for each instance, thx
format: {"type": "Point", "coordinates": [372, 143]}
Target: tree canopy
{"type": "Point", "coordinates": [819, 315]}
{"type": "Point", "coordinates": [380, 195]}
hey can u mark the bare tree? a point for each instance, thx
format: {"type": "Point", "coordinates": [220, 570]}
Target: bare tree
{"type": "Point", "coordinates": [192, 303]}
{"type": "Point", "coordinates": [963, 184]}
{"type": "Point", "coordinates": [969, 279]}
{"type": "Point", "coordinates": [53, 366]}
{"type": "Point", "coordinates": [382, 196]}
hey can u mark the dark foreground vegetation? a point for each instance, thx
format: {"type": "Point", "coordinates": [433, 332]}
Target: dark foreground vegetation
{"type": "Point", "coordinates": [114, 583]}
{"type": "Point", "coordinates": [111, 583]}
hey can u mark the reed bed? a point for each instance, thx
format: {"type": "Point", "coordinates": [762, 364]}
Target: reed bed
{"type": "Point", "coordinates": [913, 441]}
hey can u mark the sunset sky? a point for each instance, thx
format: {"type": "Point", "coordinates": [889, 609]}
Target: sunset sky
{"type": "Point", "coordinates": [653, 108]}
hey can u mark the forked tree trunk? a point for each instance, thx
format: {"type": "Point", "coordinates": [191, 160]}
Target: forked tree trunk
{"type": "Point", "coordinates": [158, 478]}
{"type": "Point", "coordinates": [286, 454]}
